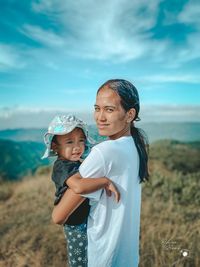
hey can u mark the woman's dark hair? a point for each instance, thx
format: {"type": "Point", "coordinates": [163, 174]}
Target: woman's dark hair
{"type": "Point", "coordinates": [130, 99]}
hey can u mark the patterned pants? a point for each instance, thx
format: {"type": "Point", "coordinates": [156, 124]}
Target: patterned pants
{"type": "Point", "coordinates": [76, 237]}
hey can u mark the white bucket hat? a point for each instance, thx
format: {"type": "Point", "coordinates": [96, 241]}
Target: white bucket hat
{"type": "Point", "coordinates": [64, 124]}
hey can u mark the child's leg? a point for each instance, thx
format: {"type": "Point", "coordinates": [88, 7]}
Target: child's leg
{"type": "Point", "coordinates": [76, 237]}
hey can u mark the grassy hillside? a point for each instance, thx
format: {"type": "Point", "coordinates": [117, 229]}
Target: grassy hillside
{"type": "Point", "coordinates": [170, 207]}
{"type": "Point", "coordinates": [28, 237]}
{"type": "Point", "coordinates": [170, 218]}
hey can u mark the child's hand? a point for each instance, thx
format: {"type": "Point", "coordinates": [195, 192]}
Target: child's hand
{"type": "Point", "coordinates": [111, 188]}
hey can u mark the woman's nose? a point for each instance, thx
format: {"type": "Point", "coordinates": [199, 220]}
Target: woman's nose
{"type": "Point", "coordinates": [101, 116]}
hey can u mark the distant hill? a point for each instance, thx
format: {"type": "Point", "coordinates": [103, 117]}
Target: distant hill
{"type": "Point", "coordinates": [187, 131]}
{"type": "Point", "coordinates": [182, 131]}
{"type": "Point", "coordinates": [18, 159]}
{"type": "Point", "coordinates": [21, 149]}
{"type": "Point", "coordinates": [176, 155]}
{"type": "Point", "coordinates": [21, 134]}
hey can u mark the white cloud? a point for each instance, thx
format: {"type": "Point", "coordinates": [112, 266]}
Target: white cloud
{"type": "Point", "coordinates": [190, 16]}
{"type": "Point", "coordinates": [166, 78]}
{"type": "Point", "coordinates": [10, 57]}
{"type": "Point", "coordinates": [192, 51]}
{"type": "Point", "coordinates": [115, 30]}
{"type": "Point", "coordinates": [48, 6]}
{"type": "Point", "coordinates": [170, 113]}
{"type": "Point", "coordinates": [45, 37]}
{"type": "Point", "coordinates": [24, 117]}
{"type": "Point", "coordinates": [191, 13]}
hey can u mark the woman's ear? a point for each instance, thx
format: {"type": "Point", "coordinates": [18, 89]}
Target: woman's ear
{"type": "Point", "coordinates": [131, 115]}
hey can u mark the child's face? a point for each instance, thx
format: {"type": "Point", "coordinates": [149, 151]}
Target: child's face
{"type": "Point", "coordinates": [70, 146]}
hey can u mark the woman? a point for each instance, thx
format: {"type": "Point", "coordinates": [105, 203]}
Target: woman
{"type": "Point", "coordinates": [113, 228]}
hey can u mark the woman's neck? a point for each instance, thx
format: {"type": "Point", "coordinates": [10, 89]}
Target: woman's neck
{"type": "Point", "coordinates": [124, 132]}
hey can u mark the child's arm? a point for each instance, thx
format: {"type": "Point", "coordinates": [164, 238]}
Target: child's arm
{"type": "Point", "coordinates": [89, 185]}
{"type": "Point", "coordinates": [67, 205]}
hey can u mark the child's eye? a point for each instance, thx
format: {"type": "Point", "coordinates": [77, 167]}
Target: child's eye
{"type": "Point", "coordinates": [69, 142]}
{"type": "Point", "coordinates": [82, 140]}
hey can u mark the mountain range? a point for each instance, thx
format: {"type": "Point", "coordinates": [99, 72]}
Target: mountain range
{"type": "Point", "coordinates": [21, 149]}
{"type": "Point", "coordinates": [18, 159]}
{"type": "Point", "coordinates": [182, 131]}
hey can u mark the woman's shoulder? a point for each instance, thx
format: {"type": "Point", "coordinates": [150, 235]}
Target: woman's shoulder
{"type": "Point", "coordinates": [112, 147]}
{"type": "Point", "coordinates": [105, 145]}
{"type": "Point", "coordinates": [113, 143]}
{"type": "Point", "coordinates": [102, 143]}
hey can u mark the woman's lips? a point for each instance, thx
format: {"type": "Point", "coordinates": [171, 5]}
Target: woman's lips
{"type": "Point", "coordinates": [101, 126]}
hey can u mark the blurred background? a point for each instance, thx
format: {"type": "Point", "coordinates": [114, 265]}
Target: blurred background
{"type": "Point", "coordinates": [54, 55]}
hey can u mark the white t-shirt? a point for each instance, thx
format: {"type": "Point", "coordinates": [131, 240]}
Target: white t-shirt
{"type": "Point", "coordinates": [113, 228]}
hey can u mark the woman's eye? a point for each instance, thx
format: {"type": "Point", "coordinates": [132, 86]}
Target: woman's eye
{"type": "Point", "coordinates": [109, 110]}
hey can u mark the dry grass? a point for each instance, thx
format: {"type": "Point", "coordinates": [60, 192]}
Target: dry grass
{"type": "Point", "coordinates": [165, 233]}
{"type": "Point", "coordinates": [29, 238]}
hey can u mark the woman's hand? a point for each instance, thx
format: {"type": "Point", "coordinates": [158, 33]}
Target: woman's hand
{"type": "Point", "coordinates": [111, 188]}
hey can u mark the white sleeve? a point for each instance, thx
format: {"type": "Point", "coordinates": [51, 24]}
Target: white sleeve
{"type": "Point", "coordinates": [93, 167]}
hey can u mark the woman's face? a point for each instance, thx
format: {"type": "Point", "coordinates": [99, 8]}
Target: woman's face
{"type": "Point", "coordinates": [110, 117]}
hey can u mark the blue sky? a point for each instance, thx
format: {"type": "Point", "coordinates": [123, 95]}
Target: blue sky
{"type": "Point", "coordinates": [54, 54]}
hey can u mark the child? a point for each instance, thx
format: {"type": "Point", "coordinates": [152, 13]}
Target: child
{"type": "Point", "coordinates": [67, 138]}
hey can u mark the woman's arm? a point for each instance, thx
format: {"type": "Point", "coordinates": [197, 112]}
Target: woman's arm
{"type": "Point", "coordinates": [67, 205]}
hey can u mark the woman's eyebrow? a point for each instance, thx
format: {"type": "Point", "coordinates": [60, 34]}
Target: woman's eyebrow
{"type": "Point", "coordinates": [108, 106]}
